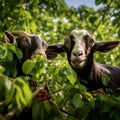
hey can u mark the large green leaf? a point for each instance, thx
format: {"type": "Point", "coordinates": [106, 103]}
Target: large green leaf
{"type": "Point", "coordinates": [2, 69]}
{"type": "Point", "coordinates": [77, 100]}
{"type": "Point", "coordinates": [23, 94]}
{"type": "Point", "coordinates": [55, 20]}
{"type": "Point", "coordinates": [28, 66]}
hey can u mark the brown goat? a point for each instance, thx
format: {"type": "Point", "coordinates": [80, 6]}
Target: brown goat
{"type": "Point", "coordinates": [30, 44]}
{"type": "Point", "coordinates": [80, 47]}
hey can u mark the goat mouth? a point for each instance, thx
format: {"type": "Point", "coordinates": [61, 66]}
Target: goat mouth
{"type": "Point", "coordinates": [77, 63]}
{"type": "Point", "coordinates": [38, 52]}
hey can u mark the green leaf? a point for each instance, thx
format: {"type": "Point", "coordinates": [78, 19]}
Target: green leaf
{"type": "Point", "coordinates": [28, 66]}
{"type": "Point", "coordinates": [92, 19]}
{"type": "Point", "coordinates": [10, 94]}
{"type": "Point", "coordinates": [72, 77]}
{"type": "Point", "coordinates": [89, 98]}
{"type": "Point", "coordinates": [77, 101]}
{"type": "Point", "coordinates": [9, 56]}
{"type": "Point", "coordinates": [2, 88]}
{"type": "Point", "coordinates": [105, 79]}
{"type": "Point", "coordinates": [36, 109]}
{"type": "Point", "coordinates": [34, 27]}
{"type": "Point", "coordinates": [13, 69]}
{"type": "Point", "coordinates": [117, 115]}
{"type": "Point", "coordinates": [19, 97]}
{"type": "Point", "coordinates": [97, 2]}
{"type": "Point", "coordinates": [19, 53]}
{"type": "Point", "coordinates": [23, 93]}
{"type": "Point", "coordinates": [2, 69]}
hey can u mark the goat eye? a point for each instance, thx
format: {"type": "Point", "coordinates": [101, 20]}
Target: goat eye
{"type": "Point", "coordinates": [25, 41]}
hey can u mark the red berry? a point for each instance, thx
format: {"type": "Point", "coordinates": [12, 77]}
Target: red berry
{"type": "Point", "coordinates": [43, 91]}
{"type": "Point", "coordinates": [40, 95]}
{"type": "Point", "coordinates": [48, 96]}
{"type": "Point", "coordinates": [44, 97]}
{"type": "Point", "coordinates": [93, 92]}
{"type": "Point", "coordinates": [40, 99]}
{"type": "Point", "coordinates": [100, 91]}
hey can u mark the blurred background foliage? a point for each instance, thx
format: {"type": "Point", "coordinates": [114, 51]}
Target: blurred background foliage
{"type": "Point", "coordinates": [54, 20]}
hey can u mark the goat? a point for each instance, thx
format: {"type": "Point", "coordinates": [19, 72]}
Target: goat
{"type": "Point", "coordinates": [80, 47]}
{"type": "Point", "coordinates": [31, 45]}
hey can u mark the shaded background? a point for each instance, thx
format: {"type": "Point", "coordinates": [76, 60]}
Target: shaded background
{"type": "Point", "coordinates": [54, 20]}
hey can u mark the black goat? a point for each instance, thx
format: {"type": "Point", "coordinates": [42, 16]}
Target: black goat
{"type": "Point", "coordinates": [31, 45]}
{"type": "Point", "coordinates": [80, 48]}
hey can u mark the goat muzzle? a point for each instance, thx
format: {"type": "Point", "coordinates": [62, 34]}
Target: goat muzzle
{"type": "Point", "coordinates": [77, 63]}
{"type": "Point", "coordinates": [39, 52]}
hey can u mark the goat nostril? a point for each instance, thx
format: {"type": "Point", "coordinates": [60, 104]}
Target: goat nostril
{"type": "Point", "coordinates": [80, 53]}
{"type": "Point", "coordinates": [74, 54]}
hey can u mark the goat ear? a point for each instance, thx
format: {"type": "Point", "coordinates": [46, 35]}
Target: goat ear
{"type": "Point", "coordinates": [106, 46]}
{"type": "Point", "coordinates": [8, 37]}
{"type": "Point", "coordinates": [54, 50]}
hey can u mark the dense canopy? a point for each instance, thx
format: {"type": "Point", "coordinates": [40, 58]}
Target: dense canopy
{"type": "Point", "coordinates": [54, 20]}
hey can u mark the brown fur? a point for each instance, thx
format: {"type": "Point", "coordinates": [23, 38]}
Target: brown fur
{"type": "Point", "coordinates": [92, 72]}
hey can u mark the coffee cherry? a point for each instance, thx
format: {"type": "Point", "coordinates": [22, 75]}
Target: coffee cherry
{"type": "Point", "coordinates": [43, 95]}
{"type": "Point", "coordinates": [48, 96]}
{"type": "Point", "coordinates": [40, 99]}
{"type": "Point", "coordinates": [40, 95]}
{"type": "Point", "coordinates": [43, 91]}
{"type": "Point", "coordinates": [93, 92]}
{"type": "Point", "coordinates": [100, 91]}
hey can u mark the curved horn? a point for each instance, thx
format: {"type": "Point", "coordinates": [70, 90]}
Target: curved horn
{"type": "Point", "coordinates": [20, 33]}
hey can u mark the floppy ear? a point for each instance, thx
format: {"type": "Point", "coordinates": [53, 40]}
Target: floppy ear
{"type": "Point", "coordinates": [54, 50]}
{"type": "Point", "coordinates": [106, 46]}
{"type": "Point", "coordinates": [8, 37]}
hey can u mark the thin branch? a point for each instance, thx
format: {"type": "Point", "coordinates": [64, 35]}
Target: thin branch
{"type": "Point", "coordinates": [35, 93]}
{"type": "Point", "coordinates": [54, 103]}
{"type": "Point", "coordinates": [105, 11]}
{"type": "Point", "coordinates": [61, 109]}
{"type": "Point", "coordinates": [70, 114]}
{"type": "Point", "coordinates": [11, 114]}
{"type": "Point", "coordinates": [61, 89]}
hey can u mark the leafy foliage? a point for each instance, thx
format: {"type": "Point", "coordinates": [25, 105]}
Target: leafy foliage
{"type": "Point", "coordinates": [54, 20]}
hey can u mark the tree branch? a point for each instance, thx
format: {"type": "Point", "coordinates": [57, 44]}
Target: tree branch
{"type": "Point", "coordinates": [11, 114]}
{"type": "Point", "coordinates": [39, 88]}
{"type": "Point", "coordinates": [61, 89]}
{"type": "Point", "coordinates": [105, 11]}
{"type": "Point", "coordinates": [61, 109]}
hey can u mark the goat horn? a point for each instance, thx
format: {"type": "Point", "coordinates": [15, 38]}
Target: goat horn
{"type": "Point", "coordinates": [20, 33]}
